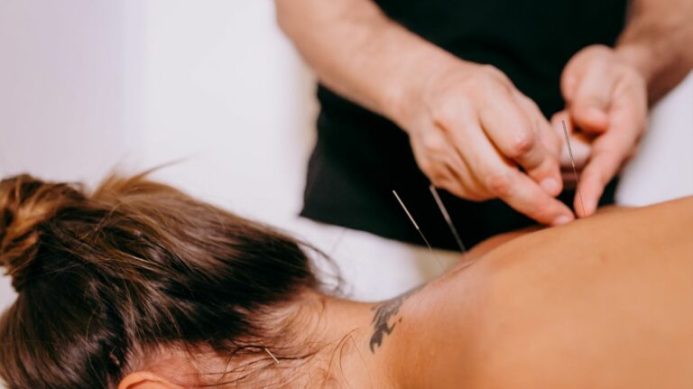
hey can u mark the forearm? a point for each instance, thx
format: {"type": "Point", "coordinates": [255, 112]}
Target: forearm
{"type": "Point", "coordinates": [658, 41]}
{"type": "Point", "coordinates": [360, 53]}
{"type": "Point", "coordinates": [465, 121]}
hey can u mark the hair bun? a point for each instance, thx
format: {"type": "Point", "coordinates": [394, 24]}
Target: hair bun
{"type": "Point", "coordinates": [26, 203]}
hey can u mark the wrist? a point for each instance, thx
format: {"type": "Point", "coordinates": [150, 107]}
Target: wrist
{"type": "Point", "coordinates": [417, 85]}
{"type": "Point", "coordinates": [639, 57]}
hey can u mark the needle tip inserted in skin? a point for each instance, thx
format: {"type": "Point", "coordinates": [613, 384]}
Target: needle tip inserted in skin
{"type": "Point", "coordinates": [272, 355]}
{"type": "Point", "coordinates": [448, 219]}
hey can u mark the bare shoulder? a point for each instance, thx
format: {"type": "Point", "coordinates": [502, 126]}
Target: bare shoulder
{"type": "Point", "coordinates": [601, 302]}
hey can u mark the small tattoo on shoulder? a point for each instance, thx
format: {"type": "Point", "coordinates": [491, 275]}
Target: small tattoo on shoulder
{"type": "Point", "coordinates": [381, 319]}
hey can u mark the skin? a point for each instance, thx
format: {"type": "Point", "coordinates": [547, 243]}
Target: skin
{"type": "Point", "coordinates": [470, 129]}
{"type": "Point", "coordinates": [605, 302]}
{"type": "Point", "coordinates": [602, 303]}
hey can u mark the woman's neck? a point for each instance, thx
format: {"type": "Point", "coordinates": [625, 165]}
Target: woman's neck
{"type": "Point", "coordinates": [381, 345]}
{"type": "Point", "coordinates": [344, 332]}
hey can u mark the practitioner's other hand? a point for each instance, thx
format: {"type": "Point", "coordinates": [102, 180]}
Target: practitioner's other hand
{"type": "Point", "coordinates": [474, 134]}
{"type": "Point", "coordinates": [606, 98]}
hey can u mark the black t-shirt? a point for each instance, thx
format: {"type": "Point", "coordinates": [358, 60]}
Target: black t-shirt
{"type": "Point", "coordinates": [360, 157]}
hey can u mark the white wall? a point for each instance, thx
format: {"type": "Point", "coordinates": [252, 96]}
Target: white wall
{"type": "Point", "coordinates": [663, 166]}
{"type": "Point", "coordinates": [63, 92]}
{"type": "Point", "coordinates": [62, 87]}
{"type": "Point", "coordinates": [86, 85]}
{"type": "Point", "coordinates": [224, 89]}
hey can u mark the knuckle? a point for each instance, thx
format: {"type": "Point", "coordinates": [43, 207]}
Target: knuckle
{"type": "Point", "coordinates": [425, 165]}
{"type": "Point", "coordinates": [522, 143]}
{"type": "Point", "coordinates": [494, 72]}
{"type": "Point", "coordinates": [436, 171]}
{"type": "Point", "coordinates": [438, 177]}
{"type": "Point", "coordinates": [433, 144]}
{"type": "Point", "coordinates": [529, 103]}
{"type": "Point", "coordinates": [428, 168]}
{"type": "Point", "coordinates": [488, 81]}
{"type": "Point", "coordinates": [444, 112]}
{"type": "Point", "coordinates": [499, 183]}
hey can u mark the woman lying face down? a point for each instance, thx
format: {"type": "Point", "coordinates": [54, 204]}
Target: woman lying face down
{"type": "Point", "coordinates": [138, 285]}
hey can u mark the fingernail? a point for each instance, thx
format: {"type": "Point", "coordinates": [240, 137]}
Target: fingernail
{"type": "Point", "coordinates": [551, 186]}
{"type": "Point", "coordinates": [563, 219]}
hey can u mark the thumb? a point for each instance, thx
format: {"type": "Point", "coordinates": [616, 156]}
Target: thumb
{"type": "Point", "coordinates": [590, 105]}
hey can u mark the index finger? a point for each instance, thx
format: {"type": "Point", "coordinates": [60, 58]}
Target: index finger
{"type": "Point", "coordinates": [506, 182]}
{"type": "Point", "coordinates": [608, 153]}
{"type": "Point", "coordinates": [525, 196]}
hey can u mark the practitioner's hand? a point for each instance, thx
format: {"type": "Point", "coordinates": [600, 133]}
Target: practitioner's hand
{"type": "Point", "coordinates": [607, 99]}
{"type": "Point", "coordinates": [474, 134]}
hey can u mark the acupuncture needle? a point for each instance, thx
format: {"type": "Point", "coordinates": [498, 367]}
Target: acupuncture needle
{"type": "Point", "coordinates": [416, 226]}
{"type": "Point", "coordinates": [572, 162]}
{"type": "Point", "coordinates": [276, 361]}
{"type": "Point", "coordinates": [447, 218]}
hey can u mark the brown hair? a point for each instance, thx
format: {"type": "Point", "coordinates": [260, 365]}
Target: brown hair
{"type": "Point", "coordinates": [134, 265]}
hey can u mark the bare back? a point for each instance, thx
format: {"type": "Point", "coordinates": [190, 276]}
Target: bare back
{"type": "Point", "coordinates": [605, 302]}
